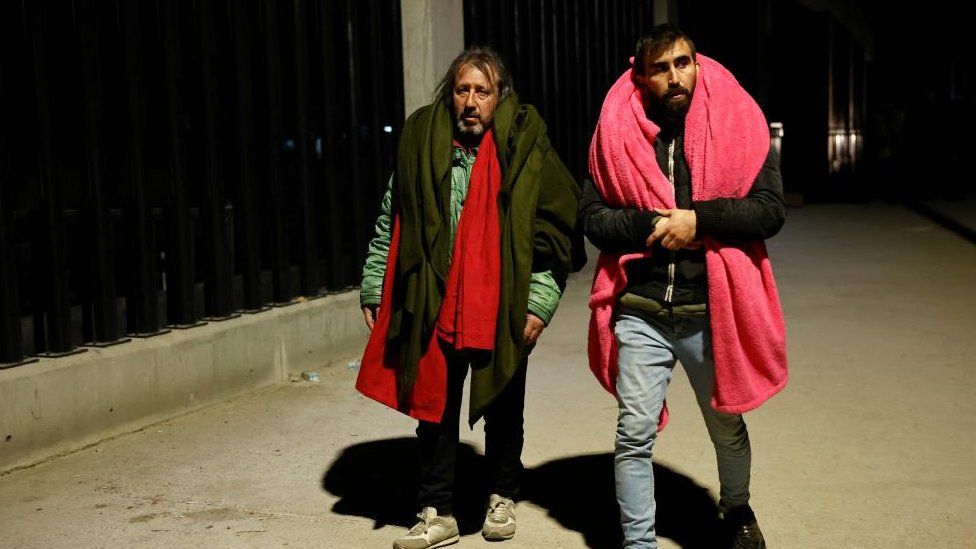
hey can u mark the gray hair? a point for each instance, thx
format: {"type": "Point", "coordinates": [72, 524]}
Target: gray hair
{"type": "Point", "coordinates": [485, 60]}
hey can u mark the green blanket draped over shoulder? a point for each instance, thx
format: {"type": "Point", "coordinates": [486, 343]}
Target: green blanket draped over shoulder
{"type": "Point", "coordinates": [537, 210]}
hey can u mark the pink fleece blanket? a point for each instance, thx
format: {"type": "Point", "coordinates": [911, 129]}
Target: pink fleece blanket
{"type": "Point", "coordinates": [726, 143]}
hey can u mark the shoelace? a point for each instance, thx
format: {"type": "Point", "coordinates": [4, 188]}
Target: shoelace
{"type": "Point", "coordinates": [420, 527]}
{"type": "Point", "coordinates": [499, 511]}
{"type": "Point", "coordinates": [746, 535]}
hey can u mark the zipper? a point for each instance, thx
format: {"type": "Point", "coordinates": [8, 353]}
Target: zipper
{"type": "Point", "coordinates": [669, 291]}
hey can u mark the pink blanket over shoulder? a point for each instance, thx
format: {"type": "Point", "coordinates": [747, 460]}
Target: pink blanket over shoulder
{"type": "Point", "coordinates": [726, 143]}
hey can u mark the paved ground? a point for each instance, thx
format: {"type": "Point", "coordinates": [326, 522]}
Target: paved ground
{"type": "Point", "coordinates": [960, 209]}
{"type": "Point", "coordinates": [871, 445]}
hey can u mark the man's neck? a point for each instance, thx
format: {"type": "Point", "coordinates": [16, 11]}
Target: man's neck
{"type": "Point", "coordinates": [669, 122]}
{"type": "Point", "coordinates": [467, 142]}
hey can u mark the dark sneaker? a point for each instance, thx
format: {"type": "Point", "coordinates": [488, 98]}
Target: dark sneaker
{"type": "Point", "coordinates": [500, 519]}
{"type": "Point", "coordinates": [745, 529]}
{"type": "Point", "coordinates": [748, 536]}
{"type": "Point", "coordinates": [432, 531]}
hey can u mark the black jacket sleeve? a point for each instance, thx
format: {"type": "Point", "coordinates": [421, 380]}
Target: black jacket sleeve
{"type": "Point", "coordinates": [757, 216]}
{"type": "Point", "coordinates": [613, 229]}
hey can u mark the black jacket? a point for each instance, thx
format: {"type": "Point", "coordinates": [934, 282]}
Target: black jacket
{"type": "Point", "coordinates": [757, 216]}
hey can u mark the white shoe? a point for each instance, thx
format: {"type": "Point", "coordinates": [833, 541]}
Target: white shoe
{"type": "Point", "coordinates": [500, 519]}
{"type": "Point", "coordinates": [432, 531]}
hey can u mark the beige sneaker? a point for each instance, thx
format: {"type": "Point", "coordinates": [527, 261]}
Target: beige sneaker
{"type": "Point", "coordinates": [500, 519]}
{"type": "Point", "coordinates": [432, 531]}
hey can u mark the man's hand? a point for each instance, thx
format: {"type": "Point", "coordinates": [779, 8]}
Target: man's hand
{"type": "Point", "coordinates": [677, 232]}
{"type": "Point", "coordinates": [533, 329]}
{"type": "Point", "coordinates": [369, 313]}
{"type": "Point", "coordinates": [658, 227]}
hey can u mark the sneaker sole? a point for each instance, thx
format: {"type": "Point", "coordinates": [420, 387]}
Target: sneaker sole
{"type": "Point", "coordinates": [442, 543]}
{"type": "Point", "coordinates": [496, 536]}
{"type": "Point", "coordinates": [448, 541]}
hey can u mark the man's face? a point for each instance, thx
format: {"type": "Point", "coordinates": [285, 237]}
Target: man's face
{"type": "Point", "coordinates": [670, 78]}
{"type": "Point", "coordinates": [475, 98]}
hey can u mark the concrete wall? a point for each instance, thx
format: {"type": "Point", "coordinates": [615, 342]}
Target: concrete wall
{"type": "Point", "coordinates": [433, 35]}
{"type": "Point", "coordinates": [64, 404]}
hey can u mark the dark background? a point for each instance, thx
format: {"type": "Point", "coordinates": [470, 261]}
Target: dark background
{"type": "Point", "coordinates": [167, 163]}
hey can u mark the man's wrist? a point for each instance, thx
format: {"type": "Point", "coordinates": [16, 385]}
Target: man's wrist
{"type": "Point", "coordinates": [644, 223]}
{"type": "Point", "coordinates": [707, 217]}
{"type": "Point", "coordinates": [541, 316]}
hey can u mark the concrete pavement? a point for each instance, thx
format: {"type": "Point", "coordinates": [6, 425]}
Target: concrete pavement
{"type": "Point", "coordinates": [871, 445]}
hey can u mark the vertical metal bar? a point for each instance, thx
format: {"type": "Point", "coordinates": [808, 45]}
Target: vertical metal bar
{"type": "Point", "coordinates": [377, 183]}
{"type": "Point", "coordinates": [101, 268]}
{"type": "Point", "coordinates": [544, 55]}
{"type": "Point", "coordinates": [831, 116]}
{"type": "Point", "coordinates": [331, 158]}
{"type": "Point", "coordinates": [284, 291]}
{"type": "Point", "coordinates": [852, 125]}
{"type": "Point", "coordinates": [11, 342]}
{"type": "Point", "coordinates": [592, 81]}
{"type": "Point", "coordinates": [181, 309]}
{"type": "Point", "coordinates": [142, 295]}
{"type": "Point", "coordinates": [307, 255]}
{"type": "Point", "coordinates": [518, 15]}
{"type": "Point", "coordinates": [555, 60]}
{"type": "Point", "coordinates": [393, 39]}
{"type": "Point", "coordinates": [529, 52]}
{"type": "Point", "coordinates": [581, 75]}
{"type": "Point", "coordinates": [562, 41]}
{"type": "Point", "coordinates": [632, 15]}
{"type": "Point", "coordinates": [54, 325]}
{"type": "Point", "coordinates": [354, 175]}
{"type": "Point", "coordinates": [217, 220]}
{"type": "Point", "coordinates": [605, 33]}
{"type": "Point", "coordinates": [619, 32]}
{"type": "Point", "coordinates": [11, 345]}
{"type": "Point", "coordinates": [491, 18]}
{"type": "Point", "coordinates": [507, 31]}
{"type": "Point", "coordinates": [248, 215]}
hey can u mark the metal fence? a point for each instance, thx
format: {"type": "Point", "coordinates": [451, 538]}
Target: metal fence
{"type": "Point", "coordinates": [167, 163]}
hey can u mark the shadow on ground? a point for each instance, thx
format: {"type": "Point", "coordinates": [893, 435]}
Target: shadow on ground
{"type": "Point", "coordinates": [378, 480]}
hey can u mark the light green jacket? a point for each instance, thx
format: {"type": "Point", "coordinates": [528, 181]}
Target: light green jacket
{"type": "Point", "coordinates": [544, 292]}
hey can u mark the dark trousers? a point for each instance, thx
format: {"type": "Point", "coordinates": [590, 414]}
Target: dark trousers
{"type": "Point", "coordinates": [504, 435]}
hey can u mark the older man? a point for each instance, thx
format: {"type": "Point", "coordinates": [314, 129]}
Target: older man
{"type": "Point", "coordinates": [467, 267]}
{"type": "Point", "coordinates": [685, 190]}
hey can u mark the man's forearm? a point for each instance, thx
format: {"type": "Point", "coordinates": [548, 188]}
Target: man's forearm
{"type": "Point", "coordinates": [757, 216]}
{"type": "Point", "coordinates": [544, 295]}
{"type": "Point", "coordinates": [613, 229]}
{"type": "Point", "coordinates": [371, 288]}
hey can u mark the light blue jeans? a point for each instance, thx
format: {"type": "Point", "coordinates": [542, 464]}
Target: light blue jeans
{"type": "Point", "coordinates": [647, 351]}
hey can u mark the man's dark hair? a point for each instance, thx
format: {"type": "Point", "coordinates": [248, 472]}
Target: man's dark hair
{"type": "Point", "coordinates": [485, 60]}
{"type": "Point", "coordinates": [660, 38]}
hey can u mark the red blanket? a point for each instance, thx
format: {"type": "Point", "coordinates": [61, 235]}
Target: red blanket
{"type": "Point", "coordinates": [726, 144]}
{"type": "Point", "coordinates": [470, 311]}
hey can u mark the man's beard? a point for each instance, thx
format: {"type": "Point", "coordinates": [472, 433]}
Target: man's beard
{"type": "Point", "coordinates": [670, 111]}
{"type": "Point", "coordinates": [469, 132]}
